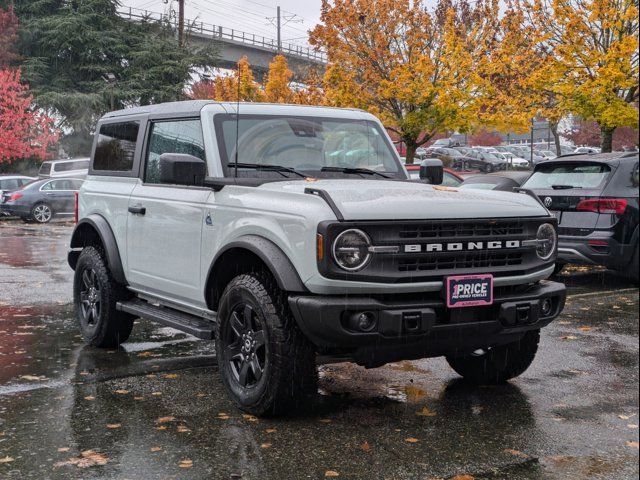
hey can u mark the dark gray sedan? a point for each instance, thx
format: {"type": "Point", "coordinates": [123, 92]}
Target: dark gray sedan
{"type": "Point", "coordinates": [41, 200]}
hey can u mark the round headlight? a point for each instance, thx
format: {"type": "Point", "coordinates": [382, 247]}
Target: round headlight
{"type": "Point", "coordinates": [351, 250]}
{"type": "Point", "coordinates": [547, 240]}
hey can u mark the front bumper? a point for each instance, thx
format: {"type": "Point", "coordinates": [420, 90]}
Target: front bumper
{"type": "Point", "coordinates": [420, 326]}
{"type": "Point", "coordinates": [604, 250]}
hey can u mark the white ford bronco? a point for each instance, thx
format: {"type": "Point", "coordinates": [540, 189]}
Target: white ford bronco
{"type": "Point", "coordinates": [288, 233]}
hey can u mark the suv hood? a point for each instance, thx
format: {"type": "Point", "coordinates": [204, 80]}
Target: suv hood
{"type": "Point", "coordinates": [398, 200]}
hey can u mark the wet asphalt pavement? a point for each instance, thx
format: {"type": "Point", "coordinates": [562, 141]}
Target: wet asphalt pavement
{"type": "Point", "coordinates": [156, 409]}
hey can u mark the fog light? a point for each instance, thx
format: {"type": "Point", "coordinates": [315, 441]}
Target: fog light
{"type": "Point", "coordinates": [546, 307]}
{"type": "Point", "coordinates": [362, 321]}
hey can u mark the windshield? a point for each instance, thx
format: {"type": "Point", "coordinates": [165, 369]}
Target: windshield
{"type": "Point", "coordinates": [306, 144]}
{"type": "Point", "coordinates": [576, 175]}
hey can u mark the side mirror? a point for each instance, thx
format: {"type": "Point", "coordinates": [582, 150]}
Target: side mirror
{"type": "Point", "coordinates": [432, 171]}
{"type": "Point", "coordinates": [182, 169]}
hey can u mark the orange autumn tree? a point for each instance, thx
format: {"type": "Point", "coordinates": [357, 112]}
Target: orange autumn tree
{"type": "Point", "coordinates": [412, 67]}
{"type": "Point", "coordinates": [227, 88]}
{"type": "Point", "coordinates": [277, 87]}
{"type": "Point", "coordinates": [594, 57]}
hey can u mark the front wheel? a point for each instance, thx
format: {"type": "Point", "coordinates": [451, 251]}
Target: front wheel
{"type": "Point", "coordinates": [265, 362]}
{"type": "Point", "coordinates": [95, 294]}
{"type": "Point", "coordinates": [42, 213]}
{"type": "Point", "coordinates": [488, 168]}
{"type": "Point", "coordinates": [498, 364]}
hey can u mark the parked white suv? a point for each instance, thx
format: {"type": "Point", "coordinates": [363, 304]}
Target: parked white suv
{"type": "Point", "coordinates": [289, 231]}
{"type": "Point", "coordinates": [74, 168]}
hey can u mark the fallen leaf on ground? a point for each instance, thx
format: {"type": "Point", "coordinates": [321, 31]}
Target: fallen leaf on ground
{"type": "Point", "coordinates": [89, 397]}
{"type": "Point", "coordinates": [270, 430]}
{"type": "Point", "coordinates": [145, 354]}
{"type": "Point", "coordinates": [161, 427]}
{"type": "Point", "coordinates": [6, 459]}
{"type": "Point", "coordinates": [463, 477]}
{"type": "Point", "coordinates": [265, 445]}
{"type": "Point", "coordinates": [411, 440]}
{"type": "Point", "coordinates": [365, 447]}
{"type": "Point", "coordinates": [585, 329]}
{"type": "Point", "coordinates": [113, 425]}
{"type": "Point", "coordinates": [325, 420]}
{"type": "Point", "coordinates": [632, 445]}
{"type": "Point", "coordinates": [331, 473]}
{"type": "Point", "coordinates": [138, 398]}
{"type": "Point", "coordinates": [122, 392]}
{"type": "Point", "coordinates": [249, 418]}
{"type": "Point", "coordinates": [33, 378]}
{"type": "Point", "coordinates": [63, 449]}
{"type": "Point", "coordinates": [183, 429]}
{"type": "Point", "coordinates": [626, 417]}
{"type": "Point", "coordinates": [171, 375]}
{"type": "Point", "coordinates": [425, 412]}
{"type": "Point", "coordinates": [414, 392]}
{"type": "Point", "coordinates": [165, 419]}
{"type": "Point", "coordinates": [156, 394]}
{"type": "Point", "coordinates": [186, 463]}
{"type": "Point", "coordinates": [155, 449]}
{"type": "Point", "coordinates": [632, 425]}
{"type": "Point", "coordinates": [568, 337]}
{"type": "Point", "coordinates": [86, 459]}
{"type": "Point", "coordinates": [517, 453]}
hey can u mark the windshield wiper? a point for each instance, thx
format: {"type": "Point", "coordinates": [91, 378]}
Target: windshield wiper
{"type": "Point", "coordinates": [268, 168]}
{"type": "Point", "coordinates": [366, 171]}
{"type": "Point", "coordinates": [563, 187]}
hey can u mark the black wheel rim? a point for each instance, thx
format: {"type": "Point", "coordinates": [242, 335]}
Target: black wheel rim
{"type": "Point", "coordinates": [90, 304]}
{"type": "Point", "coordinates": [245, 342]}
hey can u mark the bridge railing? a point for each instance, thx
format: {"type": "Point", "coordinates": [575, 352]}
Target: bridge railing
{"type": "Point", "coordinates": [223, 33]}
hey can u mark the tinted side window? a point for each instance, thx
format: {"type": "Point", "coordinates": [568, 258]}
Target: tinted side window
{"type": "Point", "coordinates": [10, 184]}
{"type": "Point", "coordinates": [116, 147]}
{"type": "Point", "coordinates": [45, 168]}
{"type": "Point", "coordinates": [181, 136]}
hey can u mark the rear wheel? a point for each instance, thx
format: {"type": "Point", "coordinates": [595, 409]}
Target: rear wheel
{"type": "Point", "coordinates": [265, 362]}
{"type": "Point", "coordinates": [498, 364]}
{"type": "Point", "coordinates": [42, 213]}
{"type": "Point", "coordinates": [95, 294]}
{"type": "Point", "coordinates": [488, 168]}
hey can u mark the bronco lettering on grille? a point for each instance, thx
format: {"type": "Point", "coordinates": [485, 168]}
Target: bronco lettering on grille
{"type": "Point", "coordinates": [460, 246]}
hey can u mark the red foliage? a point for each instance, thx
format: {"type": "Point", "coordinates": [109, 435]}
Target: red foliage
{"type": "Point", "coordinates": [485, 138]}
{"type": "Point", "coordinates": [8, 36]}
{"type": "Point", "coordinates": [23, 131]}
{"type": "Point", "coordinates": [203, 90]}
{"type": "Point", "coordinates": [587, 134]}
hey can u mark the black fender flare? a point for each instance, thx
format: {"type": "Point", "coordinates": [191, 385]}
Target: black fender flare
{"type": "Point", "coordinates": [270, 254]}
{"type": "Point", "coordinates": [101, 227]}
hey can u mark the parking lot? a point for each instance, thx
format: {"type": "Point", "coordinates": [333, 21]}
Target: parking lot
{"type": "Point", "coordinates": [156, 410]}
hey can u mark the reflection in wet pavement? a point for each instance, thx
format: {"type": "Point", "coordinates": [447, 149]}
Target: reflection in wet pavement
{"type": "Point", "coordinates": [158, 403]}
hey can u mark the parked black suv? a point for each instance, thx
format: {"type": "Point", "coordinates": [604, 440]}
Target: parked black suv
{"type": "Point", "coordinates": [595, 198]}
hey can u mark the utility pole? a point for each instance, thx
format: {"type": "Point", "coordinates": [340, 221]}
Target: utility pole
{"type": "Point", "coordinates": [279, 30]}
{"type": "Point", "coordinates": [280, 21]}
{"type": "Point", "coordinates": [181, 23]}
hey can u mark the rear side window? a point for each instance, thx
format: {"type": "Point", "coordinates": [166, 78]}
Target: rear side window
{"type": "Point", "coordinates": [10, 184]}
{"type": "Point", "coordinates": [68, 166]}
{"type": "Point", "coordinates": [180, 136]}
{"type": "Point", "coordinates": [116, 147]}
{"type": "Point", "coordinates": [569, 175]}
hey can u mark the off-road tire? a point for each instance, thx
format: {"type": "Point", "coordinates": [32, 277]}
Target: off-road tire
{"type": "Point", "coordinates": [41, 217]}
{"type": "Point", "coordinates": [498, 364]}
{"type": "Point", "coordinates": [289, 372]}
{"type": "Point", "coordinates": [106, 327]}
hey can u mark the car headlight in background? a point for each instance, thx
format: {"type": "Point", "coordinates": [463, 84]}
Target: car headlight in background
{"type": "Point", "coordinates": [351, 250]}
{"type": "Point", "coordinates": [547, 238]}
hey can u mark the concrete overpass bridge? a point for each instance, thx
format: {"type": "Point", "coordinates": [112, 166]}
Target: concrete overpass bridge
{"type": "Point", "coordinates": [234, 44]}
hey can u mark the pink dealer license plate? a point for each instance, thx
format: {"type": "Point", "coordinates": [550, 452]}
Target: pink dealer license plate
{"type": "Point", "coordinates": [469, 290]}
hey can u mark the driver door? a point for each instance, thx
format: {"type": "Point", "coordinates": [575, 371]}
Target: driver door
{"type": "Point", "coordinates": [164, 223]}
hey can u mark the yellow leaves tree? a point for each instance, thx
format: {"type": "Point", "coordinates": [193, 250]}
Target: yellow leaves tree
{"type": "Point", "coordinates": [398, 60]}
{"type": "Point", "coordinates": [239, 86]}
{"type": "Point", "coordinates": [593, 47]}
{"type": "Point", "coordinates": [277, 88]}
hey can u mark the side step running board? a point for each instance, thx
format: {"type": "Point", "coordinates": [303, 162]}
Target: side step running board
{"type": "Point", "coordinates": [196, 326]}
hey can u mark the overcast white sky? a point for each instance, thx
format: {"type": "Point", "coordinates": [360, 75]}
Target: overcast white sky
{"type": "Point", "coordinates": [246, 15]}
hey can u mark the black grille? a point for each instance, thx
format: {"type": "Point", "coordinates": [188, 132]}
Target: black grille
{"type": "Point", "coordinates": [462, 260]}
{"type": "Point", "coordinates": [474, 230]}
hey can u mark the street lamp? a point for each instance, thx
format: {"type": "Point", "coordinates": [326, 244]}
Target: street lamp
{"type": "Point", "coordinates": [111, 80]}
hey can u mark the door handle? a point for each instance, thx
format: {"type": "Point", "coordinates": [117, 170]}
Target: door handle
{"type": "Point", "coordinates": [137, 210]}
